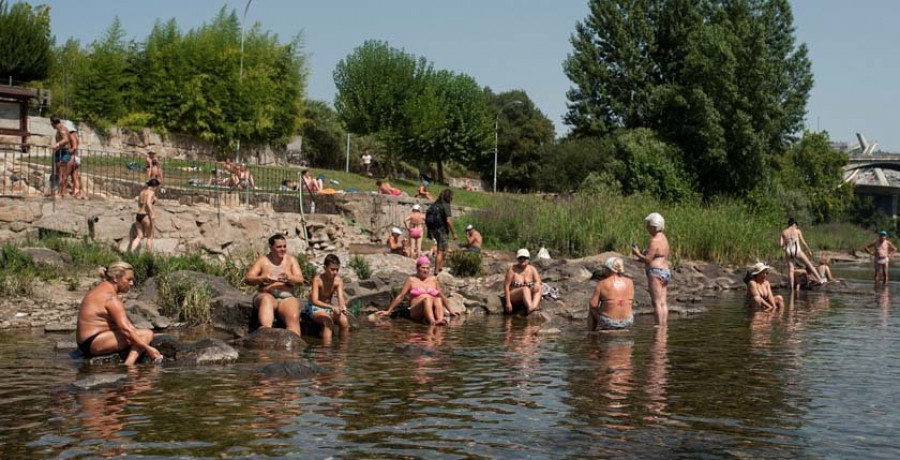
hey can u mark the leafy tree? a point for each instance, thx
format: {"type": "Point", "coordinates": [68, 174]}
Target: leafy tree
{"type": "Point", "coordinates": [524, 136]}
{"type": "Point", "coordinates": [26, 46]}
{"type": "Point", "coordinates": [375, 84]}
{"type": "Point", "coordinates": [651, 166]}
{"type": "Point", "coordinates": [568, 164]}
{"type": "Point", "coordinates": [814, 169]}
{"type": "Point", "coordinates": [721, 80]}
{"type": "Point", "coordinates": [447, 120]}
{"type": "Point", "coordinates": [102, 81]}
{"type": "Point", "coordinates": [323, 135]}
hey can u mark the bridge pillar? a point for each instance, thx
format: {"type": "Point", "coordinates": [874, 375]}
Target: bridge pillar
{"type": "Point", "coordinates": [887, 204]}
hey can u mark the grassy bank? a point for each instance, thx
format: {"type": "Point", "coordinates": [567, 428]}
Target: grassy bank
{"type": "Point", "coordinates": [583, 225]}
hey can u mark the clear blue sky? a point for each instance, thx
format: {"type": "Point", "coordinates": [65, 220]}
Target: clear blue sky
{"type": "Point", "coordinates": [520, 44]}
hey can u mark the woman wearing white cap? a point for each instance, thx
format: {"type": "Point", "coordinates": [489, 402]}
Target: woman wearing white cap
{"type": "Point", "coordinates": [610, 307]}
{"type": "Point", "coordinates": [759, 291]}
{"type": "Point", "coordinates": [396, 245]}
{"type": "Point", "coordinates": [522, 286]}
{"type": "Point", "coordinates": [415, 224]}
{"type": "Point", "coordinates": [656, 258]}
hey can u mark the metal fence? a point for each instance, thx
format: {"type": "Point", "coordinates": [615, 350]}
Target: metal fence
{"type": "Point", "coordinates": [31, 171]}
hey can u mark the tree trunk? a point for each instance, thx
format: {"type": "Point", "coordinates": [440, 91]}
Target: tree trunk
{"type": "Point", "coordinates": [440, 172]}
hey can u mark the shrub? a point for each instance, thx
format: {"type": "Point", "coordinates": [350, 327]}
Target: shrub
{"type": "Point", "coordinates": [361, 266]}
{"type": "Point", "coordinates": [464, 263]}
{"type": "Point", "coordinates": [308, 268]}
{"type": "Point", "coordinates": [236, 266]}
{"type": "Point", "coordinates": [185, 298]}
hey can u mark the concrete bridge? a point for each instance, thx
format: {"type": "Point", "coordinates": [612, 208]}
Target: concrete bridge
{"type": "Point", "coordinates": [876, 175]}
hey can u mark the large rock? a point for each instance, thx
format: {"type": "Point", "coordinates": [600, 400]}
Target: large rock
{"type": "Point", "coordinates": [208, 351]}
{"type": "Point", "coordinates": [270, 338]}
{"type": "Point", "coordinates": [48, 257]}
{"type": "Point", "coordinates": [20, 211]}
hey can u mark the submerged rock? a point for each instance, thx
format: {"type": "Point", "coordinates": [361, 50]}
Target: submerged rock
{"type": "Point", "coordinates": [413, 350]}
{"type": "Point", "coordinates": [167, 345]}
{"type": "Point", "coordinates": [97, 380]}
{"type": "Point", "coordinates": [289, 370]}
{"type": "Point", "coordinates": [207, 351]}
{"type": "Point", "coordinates": [270, 338]}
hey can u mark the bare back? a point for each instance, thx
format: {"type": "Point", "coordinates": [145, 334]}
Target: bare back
{"type": "Point", "coordinates": [614, 296]}
{"type": "Point", "coordinates": [146, 200]}
{"type": "Point", "coordinates": [94, 313]}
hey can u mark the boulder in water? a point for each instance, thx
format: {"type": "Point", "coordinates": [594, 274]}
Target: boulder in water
{"type": "Point", "coordinates": [97, 380]}
{"type": "Point", "coordinates": [413, 350]}
{"type": "Point", "coordinates": [270, 338]}
{"type": "Point", "coordinates": [167, 345]}
{"type": "Point", "coordinates": [289, 371]}
{"type": "Point", "coordinates": [207, 351]}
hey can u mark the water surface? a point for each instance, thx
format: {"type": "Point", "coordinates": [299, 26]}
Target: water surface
{"type": "Point", "coordinates": [817, 380]}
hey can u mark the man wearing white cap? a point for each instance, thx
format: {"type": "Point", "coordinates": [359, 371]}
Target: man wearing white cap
{"type": "Point", "coordinates": [473, 239]}
{"type": "Point", "coordinates": [759, 291]}
{"type": "Point", "coordinates": [522, 287]}
{"type": "Point", "coordinates": [396, 245]}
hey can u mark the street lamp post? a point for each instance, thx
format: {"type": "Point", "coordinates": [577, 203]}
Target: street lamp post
{"type": "Point", "coordinates": [497, 136]}
{"type": "Point", "coordinates": [241, 80]}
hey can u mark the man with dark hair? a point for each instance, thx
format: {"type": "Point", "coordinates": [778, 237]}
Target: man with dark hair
{"type": "Point", "coordinates": [276, 274]}
{"type": "Point", "coordinates": [440, 226]}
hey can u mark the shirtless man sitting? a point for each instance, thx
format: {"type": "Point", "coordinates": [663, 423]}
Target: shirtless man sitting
{"type": "Point", "coordinates": [103, 325]}
{"type": "Point", "coordinates": [319, 309]}
{"type": "Point", "coordinates": [610, 307]}
{"type": "Point", "coordinates": [396, 244]}
{"type": "Point", "coordinates": [473, 239]}
{"type": "Point", "coordinates": [276, 275]}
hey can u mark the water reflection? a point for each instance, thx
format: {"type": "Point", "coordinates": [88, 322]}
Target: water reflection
{"type": "Point", "coordinates": [657, 377]}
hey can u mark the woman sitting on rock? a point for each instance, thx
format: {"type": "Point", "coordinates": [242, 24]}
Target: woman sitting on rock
{"type": "Point", "coordinates": [103, 326]}
{"type": "Point", "coordinates": [610, 307]}
{"type": "Point", "coordinates": [319, 310]}
{"type": "Point", "coordinates": [426, 298]}
{"type": "Point", "coordinates": [759, 291]}
{"type": "Point", "coordinates": [522, 287]}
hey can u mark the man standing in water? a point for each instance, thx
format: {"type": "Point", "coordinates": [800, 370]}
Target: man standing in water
{"type": "Point", "coordinates": [103, 326]}
{"type": "Point", "coordinates": [276, 275]}
{"type": "Point", "coordinates": [883, 250]}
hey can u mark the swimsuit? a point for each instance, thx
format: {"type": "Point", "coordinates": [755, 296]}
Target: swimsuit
{"type": "Point", "coordinates": [474, 249]}
{"type": "Point", "coordinates": [792, 248]}
{"type": "Point", "coordinates": [605, 322]}
{"type": "Point", "coordinates": [85, 347]}
{"type": "Point", "coordinates": [139, 217]}
{"type": "Point", "coordinates": [663, 274]}
{"type": "Point", "coordinates": [415, 232]}
{"type": "Point", "coordinates": [310, 310]}
{"type": "Point", "coordinates": [516, 284]}
{"type": "Point", "coordinates": [416, 292]}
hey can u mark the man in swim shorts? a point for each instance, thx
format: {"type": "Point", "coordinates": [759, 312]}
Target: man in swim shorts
{"type": "Point", "coordinates": [319, 309]}
{"type": "Point", "coordinates": [610, 306]}
{"type": "Point", "coordinates": [881, 249]}
{"type": "Point", "coordinates": [276, 274]}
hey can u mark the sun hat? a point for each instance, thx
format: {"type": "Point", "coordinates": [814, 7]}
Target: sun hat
{"type": "Point", "coordinates": [469, 227]}
{"type": "Point", "coordinates": [422, 261]}
{"type": "Point", "coordinates": [883, 233]}
{"type": "Point", "coordinates": [758, 268]}
{"type": "Point", "coordinates": [614, 265]}
{"type": "Point", "coordinates": [523, 253]}
{"type": "Point", "coordinates": [396, 231]}
{"type": "Point", "coordinates": [656, 221]}
{"type": "Point", "coordinates": [417, 207]}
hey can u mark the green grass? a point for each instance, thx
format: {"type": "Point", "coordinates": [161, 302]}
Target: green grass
{"type": "Point", "coordinates": [585, 225]}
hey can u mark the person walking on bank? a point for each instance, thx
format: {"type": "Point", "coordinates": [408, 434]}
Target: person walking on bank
{"type": "Point", "coordinates": [656, 258]}
{"type": "Point", "coordinates": [440, 226]}
{"type": "Point", "coordinates": [145, 216]}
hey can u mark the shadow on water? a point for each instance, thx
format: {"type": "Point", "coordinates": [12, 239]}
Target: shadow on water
{"type": "Point", "coordinates": [814, 380]}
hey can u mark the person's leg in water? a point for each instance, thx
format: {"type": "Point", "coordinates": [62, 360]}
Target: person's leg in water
{"type": "Point", "coordinates": [109, 342]}
{"type": "Point", "coordinates": [438, 311]}
{"type": "Point", "coordinates": [342, 322]}
{"type": "Point", "coordinates": [421, 309]}
{"type": "Point", "coordinates": [289, 311]}
{"type": "Point", "coordinates": [322, 317]}
{"type": "Point", "coordinates": [658, 292]}
{"type": "Point", "coordinates": [778, 301]}
{"type": "Point", "coordinates": [522, 296]}
{"type": "Point", "coordinates": [790, 262]}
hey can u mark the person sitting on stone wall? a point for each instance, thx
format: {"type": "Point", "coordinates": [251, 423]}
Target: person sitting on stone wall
{"type": "Point", "coordinates": [396, 244]}
{"type": "Point", "coordinates": [422, 192]}
{"type": "Point", "coordinates": [276, 274]}
{"type": "Point", "coordinates": [103, 326]}
{"type": "Point", "coordinates": [473, 239]}
{"type": "Point", "coordinates": [319, 310]}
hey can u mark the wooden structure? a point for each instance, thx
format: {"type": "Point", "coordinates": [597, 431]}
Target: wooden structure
{"type": "Point", "coordinates": [15, 100]}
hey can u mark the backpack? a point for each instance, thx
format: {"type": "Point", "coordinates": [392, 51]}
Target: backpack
{"type": "Point", "coordinates": [434, 216]}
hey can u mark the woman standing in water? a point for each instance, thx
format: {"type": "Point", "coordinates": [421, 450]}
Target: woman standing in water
{"type": "Point", "coordinates": [144, 217]}
{"type": "Point", "coordinates": [656, 258]}
{"type": "Point", "coordinates": [791, 241]}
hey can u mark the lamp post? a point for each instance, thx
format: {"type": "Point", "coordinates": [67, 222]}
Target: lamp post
{"type": "Point", "coordinates": [241, 80]}
{"type": "Point", "coordinates": [497, 136]}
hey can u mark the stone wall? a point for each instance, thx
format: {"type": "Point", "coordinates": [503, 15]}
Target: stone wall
{"type": "Point", "coordinates": [378, 213]}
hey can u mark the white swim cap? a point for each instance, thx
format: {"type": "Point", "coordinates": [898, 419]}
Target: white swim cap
{"type": "Point", "coordinates": [396, 231]}
{"type": "Point", "coordinates": [656, 221]}
{"type": "Point", "coordinates": [615, 265]}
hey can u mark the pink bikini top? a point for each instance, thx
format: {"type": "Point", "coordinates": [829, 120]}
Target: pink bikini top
{"type": "Point", "coordinates": [416, 292]}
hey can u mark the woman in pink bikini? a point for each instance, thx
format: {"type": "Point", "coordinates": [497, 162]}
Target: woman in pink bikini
{"type": "Point", "coordinates": [426, 298]}
{"type": "Point", "coordinates": [415, 224]}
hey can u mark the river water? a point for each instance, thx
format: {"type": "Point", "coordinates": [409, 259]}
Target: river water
{"type": "Point", "coordinates": [817, 380]}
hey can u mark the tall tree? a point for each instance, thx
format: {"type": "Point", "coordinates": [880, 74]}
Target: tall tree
{"type": "Point", "coordinates": [26, 46]}
{"type": "Point", "coordinates": [102, 81]}
{"type": "Point", "coordinates": [524, 136]}
{"type": "Point", "coordinates": [721, 80]}
{"type": "Point", "coordinates": [323, 135]}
